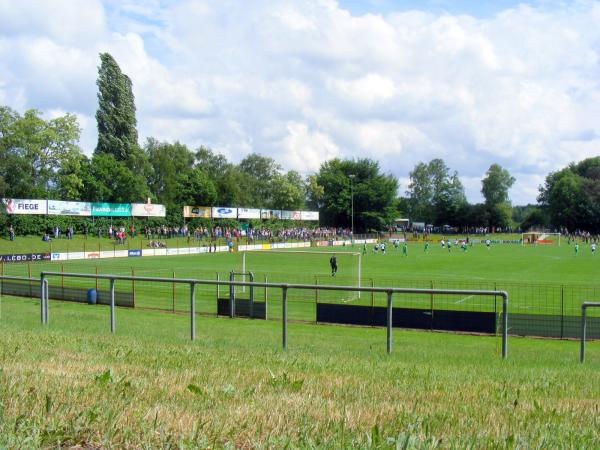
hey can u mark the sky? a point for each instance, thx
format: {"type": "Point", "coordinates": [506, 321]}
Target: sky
{"type": "Point", "coordinates": [401, 82]}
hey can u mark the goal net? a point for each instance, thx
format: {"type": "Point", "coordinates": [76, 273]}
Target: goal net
{"type": "Point", "coordinates": [540, 238]}
{"type": "Point", "coordinates": [305, 267]}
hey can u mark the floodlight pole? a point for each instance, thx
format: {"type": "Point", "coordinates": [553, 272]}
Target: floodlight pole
{"type": "Point", "coordinates": [351, 176]}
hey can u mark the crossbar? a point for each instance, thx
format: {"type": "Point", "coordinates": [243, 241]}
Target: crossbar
{"type": "Point", "coordinates": [286, 286]}
{"type": "Point", "coordinates": [584, 307]}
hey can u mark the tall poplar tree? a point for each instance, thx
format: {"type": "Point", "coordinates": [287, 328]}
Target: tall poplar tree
{"type": "Point", "coordinates": [117, 133]}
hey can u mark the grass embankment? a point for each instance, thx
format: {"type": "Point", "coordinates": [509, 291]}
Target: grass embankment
{"type": "Point", "coordinates": [73, 384]}
{"type": "Point", "coordinates": [34, 244]}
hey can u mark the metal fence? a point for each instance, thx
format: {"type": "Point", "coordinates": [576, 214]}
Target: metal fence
{"type": "Point", "coordinates": [537, 309]}
{"type": "Point", "coordinates": [283, 287]}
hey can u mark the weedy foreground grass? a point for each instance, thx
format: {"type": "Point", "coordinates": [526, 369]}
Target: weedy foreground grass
{"type": "Point", "coordinates": [72, 384]}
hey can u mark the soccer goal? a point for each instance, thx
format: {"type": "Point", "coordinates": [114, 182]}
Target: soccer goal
{"type": "Point", "coordinates": [305, 266]}
{"type": "Point", "coordinates": [540, 238]}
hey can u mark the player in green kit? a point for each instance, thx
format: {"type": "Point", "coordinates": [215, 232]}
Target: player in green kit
{"type": "Point", "coordinates": [405, 249]}
{"type": "Point", "coordinates": [426, 249]}
{"type": "Point", "coordinates": [576, 249]}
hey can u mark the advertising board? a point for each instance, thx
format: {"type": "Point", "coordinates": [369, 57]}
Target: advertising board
{"type": "Point", "coordinates": [148, 210]}
{"type": "Point", "coordinates": [291, 215]}
{"type": "Point", "coordinates": [224, 212]}
{"type": "Point", "coordinates": [270, 214]}
{"type": "Point", "coordinates": [60, 208]}
{"type": "Point", "coordinates": [248, 213]}
{"type": "Point", "coordinates": [24, 257]}
{"type": "Point", "coordinates": [111, 209]}
{"type": "Point", "coordinates": [309, 215]}
{"type": "Point", "coordinates": [25, 206]}
{"type": "Point", "coordinates": [197, 211]}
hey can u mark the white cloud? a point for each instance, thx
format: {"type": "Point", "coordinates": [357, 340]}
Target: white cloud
{"type": "Point", "coordinates": [305, 150]}
{"type": "Point", "coordinates": [304, 81]}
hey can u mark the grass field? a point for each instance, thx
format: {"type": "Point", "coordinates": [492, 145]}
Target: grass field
{"type": "Point", "coordinates": [73, 385]}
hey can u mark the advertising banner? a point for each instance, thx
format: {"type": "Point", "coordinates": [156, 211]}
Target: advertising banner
{"type": "Point", "coordinates": [291, 215]}
{"type": "Point", "coordinates": [134, 253]}
{"type": "Point", "coordinates": [197, 211]}
{"type": "Point", "coordinates": [309, 215]}
{"type": "Point", "coordinates": [24, 257]}
{"type": "Point", "coordinates": [111, 209]}
{"type": "Point", "coordinates": [148, 210]}
{"type": "Point", "coordinates": [248, 213]}
{"type": "Point", "coordinates": [25, 206]}
{"type": "Point", "coordinates": [223, 212]}
{"type": "Point", "coordinates": [59, 208]}
{"type": "Point", "coordinates": [270, 214]}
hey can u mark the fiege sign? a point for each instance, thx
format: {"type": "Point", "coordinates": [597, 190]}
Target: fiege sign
{"type": "Point", "coordinates": [25, 206]}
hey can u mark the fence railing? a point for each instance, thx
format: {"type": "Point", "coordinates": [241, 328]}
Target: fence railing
{"type": "Point", "coordinates": [285, 287]}
{"type": "Point", "coordinates": [584, 308]}
{"type": "Point", "coordinates": [537, 309]}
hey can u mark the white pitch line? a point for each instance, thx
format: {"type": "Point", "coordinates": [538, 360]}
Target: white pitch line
{"type": "Point", "coordinates": [463, 299]}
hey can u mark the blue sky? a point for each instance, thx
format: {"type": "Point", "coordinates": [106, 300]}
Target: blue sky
{"type": "Point", "coordinates": [474, 8]}
{"type": "Point", "coordinates": [303, 81]}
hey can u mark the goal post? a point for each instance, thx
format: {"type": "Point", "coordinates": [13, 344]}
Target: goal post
{"type": "Point", "coordinates": [281, 261]}
{"type": "Point", "coordinates": [540, 238]}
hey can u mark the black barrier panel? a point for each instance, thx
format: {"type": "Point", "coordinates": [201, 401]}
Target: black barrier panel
{"type": "Point", "coordinates": [470, 321]}
{"type": "Point", "coordinates": [423, 319]}
{"type": "Point", "coordinates": [345, 314]}
{"type": "Point", "coordinates": [242, 308]}
{"type": "Point", "coordinates": [552, 326]}
{"type": "Point", "coordinates": [70, 294]}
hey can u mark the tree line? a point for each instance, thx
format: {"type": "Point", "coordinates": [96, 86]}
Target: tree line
{"type": "Point", "coordinates": [42, 159]}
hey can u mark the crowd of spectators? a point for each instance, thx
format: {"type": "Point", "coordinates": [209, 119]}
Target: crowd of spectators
{"type": "Point", "coordinates": [156, 235]}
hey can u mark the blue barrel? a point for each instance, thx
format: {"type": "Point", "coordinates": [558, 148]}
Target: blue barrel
{"type": "Point", "coordinates": [91, 296]}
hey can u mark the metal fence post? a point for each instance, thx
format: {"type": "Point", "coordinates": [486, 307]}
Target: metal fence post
{"type": "Point", "coordinates": [42, 299]}
{"type": "Point", "coordinates": [112, 305]}
{"type": "Point", "coordinates": [562, 311]}
{"type": "Point", "coordinates": [431, 306]}
{"type": "Point", "coordinates": [47, 301]}
{"type": "Point", "coordinates": [251, 275]}
{"type": "Point", "coordinates": [193, 310]}
{"type": "Point", "coordinates": [266, 300]}
{"type": "Point", "coordinates": [133, 285]}
{"type": "Point", "coordinates": [284, 316]}
{"type": "Point", "coordinates": [173, 294]}
{"type": "Point", "coordinates": [504, 325]}
{"type": "Point", "coordinates": [583, 331]}
{"type": "Point", "coordinates": [389, 322]}
{"type": "Point", "coordinates": [584, 307]}
{"type": "Point", "coordinates": [231, 297]}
